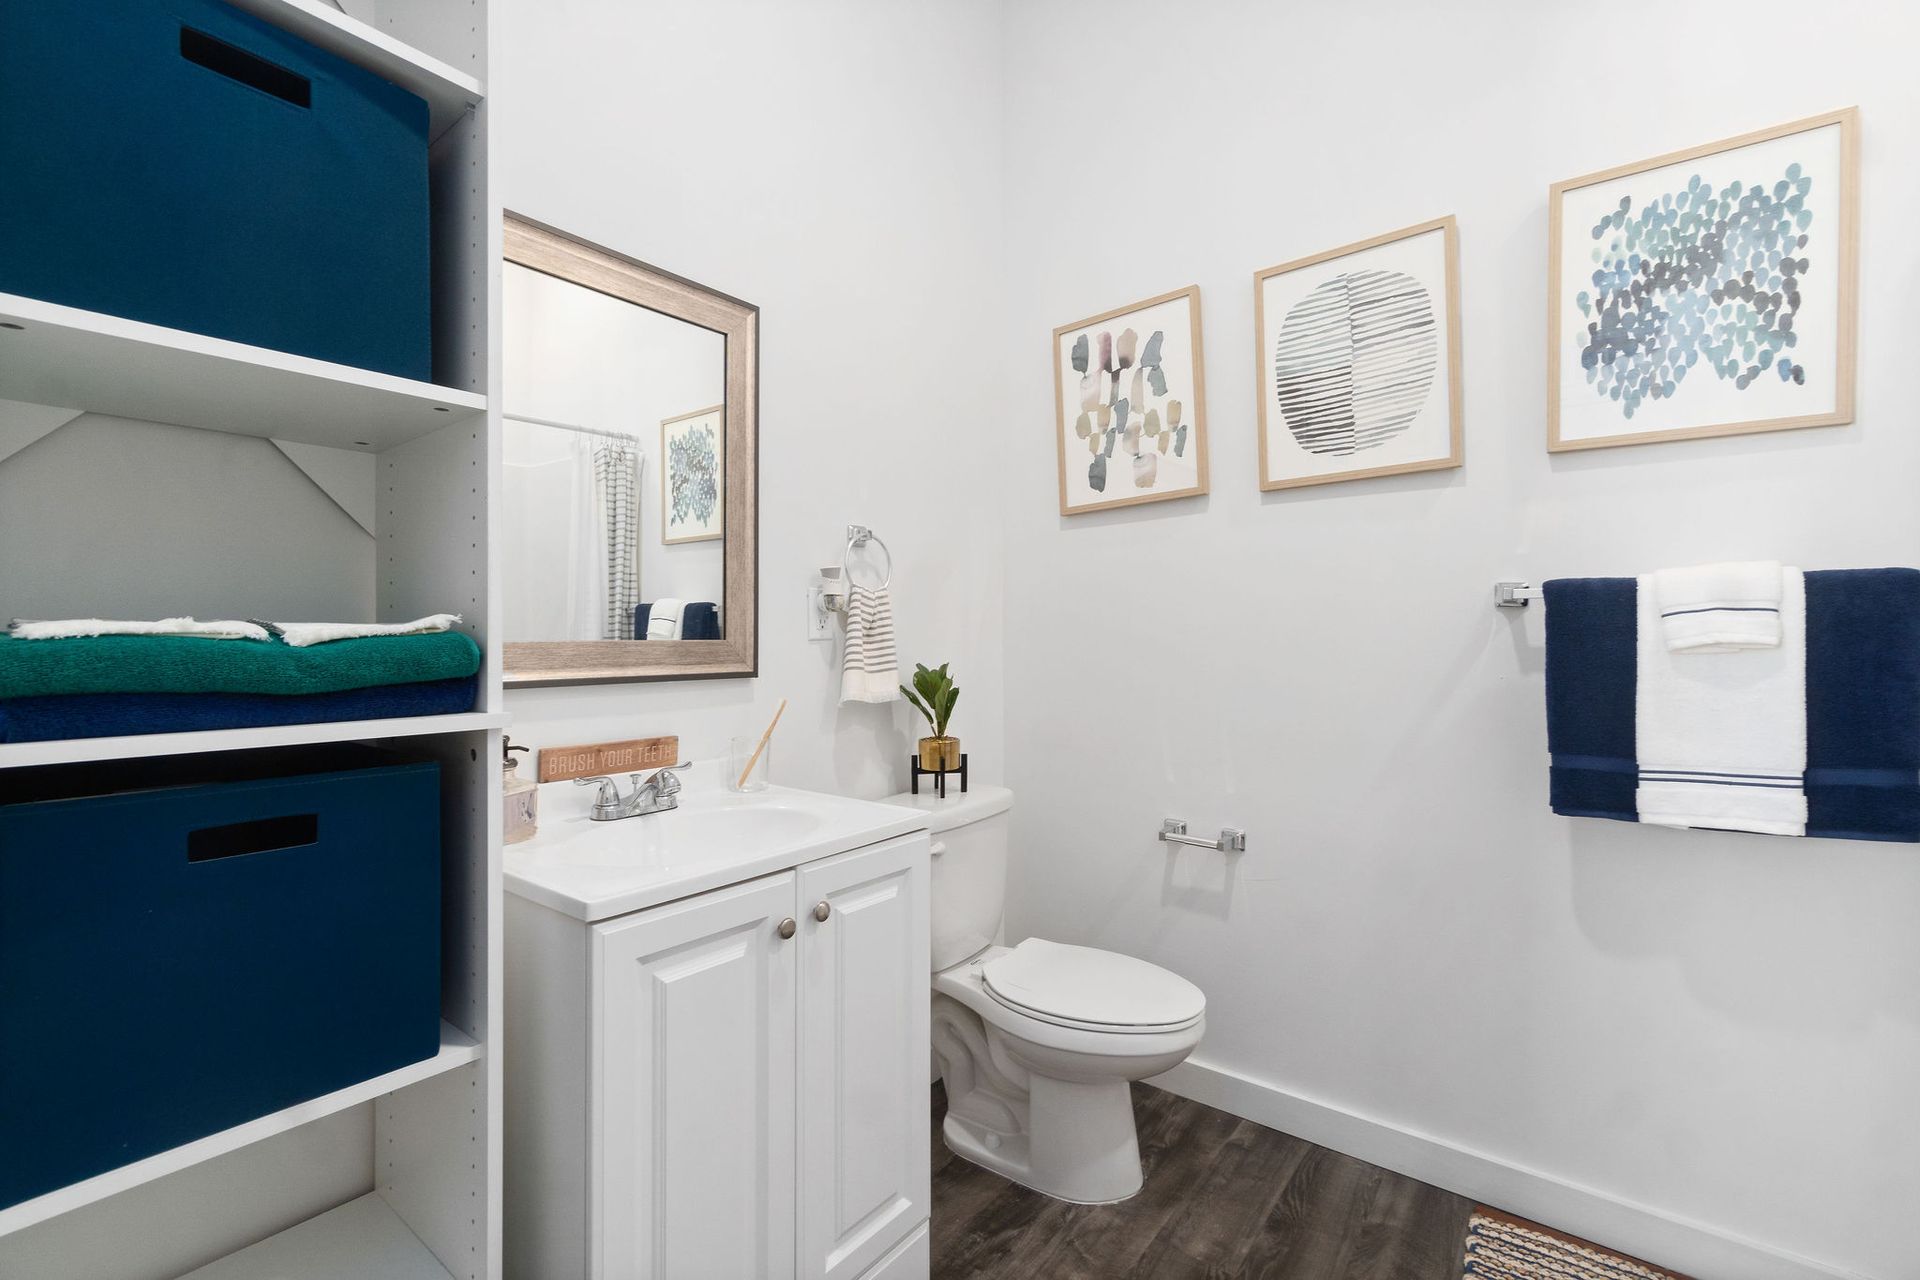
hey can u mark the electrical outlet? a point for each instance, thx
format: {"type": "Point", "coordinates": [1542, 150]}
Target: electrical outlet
{"type": "Point", "coordinates": [819, 620]}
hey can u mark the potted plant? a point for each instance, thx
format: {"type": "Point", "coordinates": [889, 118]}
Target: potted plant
{"type": "Point", "coordinates": [933, 695]}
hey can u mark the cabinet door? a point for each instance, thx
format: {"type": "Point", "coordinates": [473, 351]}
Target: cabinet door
{"type": "Point", "coordinates": [864, 1044]}
{"type": "Point", "coordinates": [692, 1126]}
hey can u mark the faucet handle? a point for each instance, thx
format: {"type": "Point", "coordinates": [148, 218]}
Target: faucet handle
{"type": "Point", "coordinates": [608, 799]}
{"type": "Point", "coordinates": [667, 778]}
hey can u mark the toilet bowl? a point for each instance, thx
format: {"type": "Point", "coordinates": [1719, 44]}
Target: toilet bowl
{"type": "Point", "coordinates": [1038, 1043]}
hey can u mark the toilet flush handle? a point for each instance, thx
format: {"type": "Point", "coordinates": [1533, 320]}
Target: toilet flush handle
{"type": "Point", "coordinates": [938, 847]}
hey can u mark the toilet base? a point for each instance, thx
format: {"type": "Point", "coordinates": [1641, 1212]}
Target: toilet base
{"type": "Point", "coordinates": [1083, 1147]}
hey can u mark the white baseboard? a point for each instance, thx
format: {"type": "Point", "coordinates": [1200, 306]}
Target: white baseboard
{"type": "Point", "coordinates": [1692, 1247]}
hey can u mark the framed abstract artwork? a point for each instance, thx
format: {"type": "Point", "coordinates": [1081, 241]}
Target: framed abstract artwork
{"type": "Point", "coordinates": [1130, 400]}
{"type": "Point", "coordinates": [692, 476]}
{"type": "Point", "coordinates": [1709, 292]}
{"type": "Point", "coordinates": [1359, 359]}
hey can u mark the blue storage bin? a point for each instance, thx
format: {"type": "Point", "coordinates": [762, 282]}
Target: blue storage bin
{"type": "Point", "coordinates": [185, 164]}
{"type": "Point", "coordinates": [188, 944]}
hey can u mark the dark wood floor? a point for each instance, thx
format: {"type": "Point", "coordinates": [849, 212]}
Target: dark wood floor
{"type": "Point", "coordinates": [1224, 1197]}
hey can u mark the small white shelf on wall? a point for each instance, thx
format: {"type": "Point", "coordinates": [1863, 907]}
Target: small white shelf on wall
{"type": "Point", "coordinates": [55, 355]}
{"type": "Point", "coordinates": [15, 755]}
{"type": "Point", "coordinates": [457, 1049]}
{"type": "Point", "coordinates": [363, 1238]}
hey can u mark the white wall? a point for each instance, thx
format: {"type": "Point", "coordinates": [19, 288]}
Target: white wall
{"type": "Point", "coordinates": [127, 519]}
{"type": "Point", "coordinates": [576, 356]}
{"type": "Point", "coordinates": [1723, 1027]}
{"type": "Point", "coordinates": [837, 163]}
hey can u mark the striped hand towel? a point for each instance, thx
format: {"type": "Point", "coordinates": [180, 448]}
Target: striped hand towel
{"type": "Point", "coordinates": [1722, 741]}
{"type": "Point", "coordinates": [1720, 608]}
{"type": "Point", "coordinates": [868, 670]}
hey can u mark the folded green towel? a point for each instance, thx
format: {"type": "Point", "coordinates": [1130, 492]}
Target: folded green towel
{"type": "Point", "coordinates": [192, 664]}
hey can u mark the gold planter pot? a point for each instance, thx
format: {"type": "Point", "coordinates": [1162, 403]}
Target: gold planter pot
{"type": "Point", "coordinates": [939, 753]}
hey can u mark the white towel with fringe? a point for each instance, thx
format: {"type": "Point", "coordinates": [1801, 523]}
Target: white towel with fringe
{"type": "Point", "coordinates": [1720, 608]}
{"type": "Point", "coordinates": [302, 634]}
{"type": "Point", "coordinates": [73, 628]}
{"type": "Point", "coordinates": [1722, 739]}
{"type": "Point", "coordinates": [869, 671]}
{"type": "Point", "coordinates": [663, 620]}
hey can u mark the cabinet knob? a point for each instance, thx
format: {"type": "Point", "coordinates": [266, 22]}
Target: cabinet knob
{"type": "Point", "coordinates": [786, 927]}
{"type": "Point", "coordinates": [821, 911]}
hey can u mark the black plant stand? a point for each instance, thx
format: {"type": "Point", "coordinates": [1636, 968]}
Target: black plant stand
{"type": "Point", "coordinates": [939, 776]}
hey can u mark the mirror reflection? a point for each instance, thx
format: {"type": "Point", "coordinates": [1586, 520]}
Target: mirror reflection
{"type": "Point", "coordinates": [614, 483]}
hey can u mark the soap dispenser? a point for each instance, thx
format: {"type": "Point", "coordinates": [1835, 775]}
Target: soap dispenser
{"type": "Point", "coordinates": [519, 796]}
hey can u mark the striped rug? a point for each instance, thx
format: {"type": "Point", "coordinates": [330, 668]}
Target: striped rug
{"type": "Point", "coordinates": [1502, 1247]}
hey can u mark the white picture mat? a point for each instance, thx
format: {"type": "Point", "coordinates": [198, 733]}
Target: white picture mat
{"type": "Point", "coordinates": [1174, 319]}
{"type": "Point", "coordinates": [1430, 435]}
{"type": "Point", "coordinates": [1706, 399]}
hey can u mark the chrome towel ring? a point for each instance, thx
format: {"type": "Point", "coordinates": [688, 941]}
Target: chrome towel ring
{"type": "Point", "coordinates": [858, 535]}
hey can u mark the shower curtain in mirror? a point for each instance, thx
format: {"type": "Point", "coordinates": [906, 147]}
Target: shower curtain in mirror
{"type": "Point", "coordinates": [570, 557]}
{"type": "Point", "coordinates": [616, 478]}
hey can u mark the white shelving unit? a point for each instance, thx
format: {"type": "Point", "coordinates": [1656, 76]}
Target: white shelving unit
{"type": "Point", "coordinates": [429, 1163]}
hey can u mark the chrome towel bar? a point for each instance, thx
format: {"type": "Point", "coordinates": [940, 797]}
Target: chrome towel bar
{"type": "Point", "coordinates": [1232, 839]}
{"type": "Point", "coordinates": [1514, 595]}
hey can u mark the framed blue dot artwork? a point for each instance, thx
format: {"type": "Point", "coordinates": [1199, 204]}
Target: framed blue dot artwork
{"type": "Point", "coordinates": [1707, 292]}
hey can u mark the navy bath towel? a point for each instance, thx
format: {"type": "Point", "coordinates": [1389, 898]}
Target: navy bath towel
{"type": "Point", "coordinates": [1591, 629]}
{"type": "Point", "coordinates": [1863, 704]}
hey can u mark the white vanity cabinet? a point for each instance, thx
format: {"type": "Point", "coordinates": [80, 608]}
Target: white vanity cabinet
{"type": "Point", "coordinates": [729, 1085]}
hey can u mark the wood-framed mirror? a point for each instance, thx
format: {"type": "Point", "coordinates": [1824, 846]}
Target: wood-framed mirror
{"type": "Point", "coordinates": [629, 491]}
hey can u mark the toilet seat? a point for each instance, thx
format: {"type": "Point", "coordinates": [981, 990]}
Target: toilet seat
{"type": "Point", "coordinates": [1091, 990]}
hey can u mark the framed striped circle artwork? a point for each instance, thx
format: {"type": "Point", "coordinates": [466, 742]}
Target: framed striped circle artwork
{"type": "Point", "coordinates": [1359, 359]}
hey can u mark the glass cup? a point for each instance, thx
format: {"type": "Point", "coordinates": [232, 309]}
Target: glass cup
{"type": "Point", "coordinates": [739, 776]}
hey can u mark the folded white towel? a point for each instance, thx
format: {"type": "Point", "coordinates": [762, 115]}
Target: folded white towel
{"type": "Point", "coordinates": [869, 672]}
{"type": "Point", "coordinates": [1720, 608]}
{"type": "Point", "coordinates": [302, 634]}
{"type": "Point", "coordinates": [70, 628]}
{"type": "Point", "coordinates": [663, 620]}
{"type": "Point", "coordinates": [1722, 741]}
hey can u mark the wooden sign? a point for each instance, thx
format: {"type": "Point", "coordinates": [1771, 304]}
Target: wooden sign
{"type": "Point", "coordinates": [636, 755]}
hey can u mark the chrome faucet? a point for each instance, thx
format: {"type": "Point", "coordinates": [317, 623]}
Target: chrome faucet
{"type": "Point", "coordinates": [659, 793]}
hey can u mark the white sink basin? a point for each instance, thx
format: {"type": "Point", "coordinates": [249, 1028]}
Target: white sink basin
{"type": "Point", "coordinates": [595, 870]}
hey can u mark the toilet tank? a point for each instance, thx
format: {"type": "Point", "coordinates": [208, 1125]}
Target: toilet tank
{"type": "Point", "coordinates": [969, 883]}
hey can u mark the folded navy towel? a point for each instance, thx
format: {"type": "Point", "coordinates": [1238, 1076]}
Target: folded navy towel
{"type": "Point", "coordinates": [1591, 666]}
{"type": "Point", "coordinates": [699, 620]}
{"type": "Point", "coordinates": [1863, 704]}
{"type": "Point", "coordinates": [111, 715]}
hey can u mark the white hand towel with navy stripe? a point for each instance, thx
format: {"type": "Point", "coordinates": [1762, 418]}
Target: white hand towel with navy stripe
{"type": "Point", "coordinates": [869, 672]}
{"type": "Point", "coordinates": [1721, 739]}
{"type": "Point", "coordinates": [1720, 608]}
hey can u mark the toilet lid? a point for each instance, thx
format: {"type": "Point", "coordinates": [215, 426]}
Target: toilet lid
{"type": "Point", "coordinates": [1087, 986]}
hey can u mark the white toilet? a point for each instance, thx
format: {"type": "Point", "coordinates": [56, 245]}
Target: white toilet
{"type": "Point", "coordinates": [1037, 1042]}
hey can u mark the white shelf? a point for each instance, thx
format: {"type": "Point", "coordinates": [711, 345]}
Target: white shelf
{"type": "Point", "coordinates": [17, 755]}
{"type": "Point", "coordinates": [107, 364]}
{"type": "Point", "coordinates": [449, 92]}
{"type": "Point", "coordinates": [457, 1049]}
{"type": "Point", "coordinates": [363, 1238]}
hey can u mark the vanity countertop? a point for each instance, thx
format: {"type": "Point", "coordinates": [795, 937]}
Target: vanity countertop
{"type": "Point", "coordinates": [596, 870]}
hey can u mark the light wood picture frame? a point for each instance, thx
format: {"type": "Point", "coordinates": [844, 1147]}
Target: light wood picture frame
{"type": "Point", "coordinates": [1706, 292]}
{"type": "Point", "coordinates": [715, 417]}
{"type": "Point", "coordinates": [1130, 413]}
{"type": "Point", "coordinates": [563, 662]}
{"type": "Point", "coordinates": [1358, 357]}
